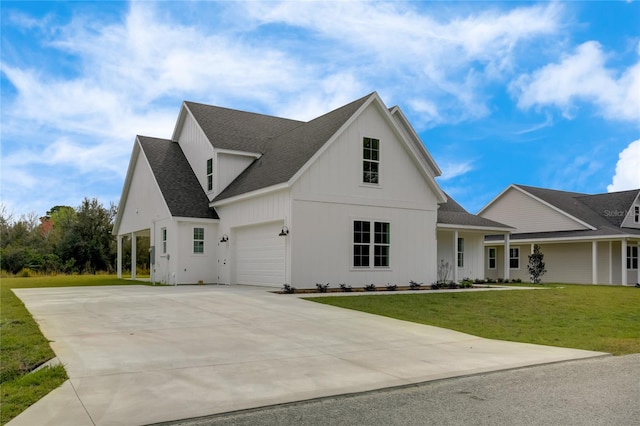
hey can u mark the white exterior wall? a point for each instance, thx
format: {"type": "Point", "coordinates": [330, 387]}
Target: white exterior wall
{"type": "Point", "coordinates": [144, 202]}
{"type": "Point", "coordinates": [330, 195]}
{"type": "Point", "coordinates": [526, 214]}
{"type": "Point", "coordinates": [473, 253]}
{"type": "Point", "coordinates": [164, 269]}
{"type": "Point", "coordinates": [268, 208]}
{"type": "Point", "coordinates": [198, 150]}
{"type": "Point", "coordinates": [194, 267]}
{"type": "Point", "coordinates": [227, 167]}
{"type": "Point", "coordinates": [630, 219]}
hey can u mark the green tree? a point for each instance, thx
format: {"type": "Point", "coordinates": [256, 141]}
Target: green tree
{"type": "Point", "coordinates": [536, 265]}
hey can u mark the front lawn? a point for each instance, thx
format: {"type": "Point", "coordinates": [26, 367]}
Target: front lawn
{"type": "Point", "coordinates": [597, 318]}
{"type": "Point", "coordinates": [25, 348]}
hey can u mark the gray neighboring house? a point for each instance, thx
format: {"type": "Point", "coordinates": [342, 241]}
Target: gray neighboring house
{"type": "Point", "coordinates": [585, 238]}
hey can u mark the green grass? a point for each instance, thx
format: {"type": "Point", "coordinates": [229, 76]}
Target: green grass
{"type": "Point", "coordinates": [598, 318]}
{"type": "Point", "coordinates": [25, 348]}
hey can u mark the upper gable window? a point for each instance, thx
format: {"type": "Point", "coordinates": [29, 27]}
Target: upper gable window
{"type": "Point", "coordinates": [371, 160]}
{"type": "Point", "coordinates": [636, 214]}
{"type": "Point", "coordinates": [210, 174]}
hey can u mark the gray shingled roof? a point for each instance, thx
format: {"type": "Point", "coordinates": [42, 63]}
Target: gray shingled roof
{"type": "Point", "coordinates": [285, 153]}
{"type": "Point", "coordinates": [452, 213]}
{"type": "Point", "coordinates": [177, 181]}
{"type": "Point", "coordinates": [593, 209]}
{"type": "Point", "coordinates": [239, 130]}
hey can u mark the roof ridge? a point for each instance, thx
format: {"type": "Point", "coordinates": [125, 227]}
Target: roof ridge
{"type": "Point", "coordinates": [242, 111]}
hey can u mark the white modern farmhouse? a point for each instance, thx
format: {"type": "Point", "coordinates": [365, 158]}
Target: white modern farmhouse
{"type": "Point", "coordinates": [585, 238]}
{"type": "Point", "coordinates": [242, 198]}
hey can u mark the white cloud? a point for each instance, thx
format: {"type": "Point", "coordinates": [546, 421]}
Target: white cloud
{"type": "Point", "coordinates": [627, 174]}
{"type": "Point", "coordinates": [583, 76]}
{"type": "Point", "coordinates": [453, 169]}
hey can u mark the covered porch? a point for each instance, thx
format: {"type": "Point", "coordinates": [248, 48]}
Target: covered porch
{"type": "Point", "coordinates": [135, 250]}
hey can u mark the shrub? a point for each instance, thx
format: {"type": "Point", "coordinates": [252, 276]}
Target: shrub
{"type": "Point", "coordinates": [344, 287]}
{"type": "Point", "coordinates": [490, 281]}
{"type": "Point", "coordinates": [478, 281]}
{"type": "Point", "coordinates": [370, 287]}
{"type": "Point", "coordinates": [500, 280]}
{"type": "Point", "coordinates": [452, 285]}
{"type": "Point", "coordinates": [414, 285]}
{"type": "Point", "coordinates": [288, 289]}
{"type": "Point", "coordinates": [391, 287]}
{"type": "Point", "coordinates": [322, 288]}
{"type": "Point", "coordinates": [436, 286]}
{"type": "Point", "coordinates": [466, 284]}
{"type": "Point", "coordinates": [536, 265]}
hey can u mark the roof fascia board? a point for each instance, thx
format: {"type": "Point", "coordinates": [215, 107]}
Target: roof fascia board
{"type": "Point", "coordinates": [551, 240]}
{"type": "Point", "coordinates": [248, 195]}
{"type": "Point", "coordinates": [132, 164]}
{"type": "Point", "coordinates": [182, 115]}
{"type": "Point", "coordinates": [540, 200]}
{"type": "Point", "coordinates": [135, 153]}
{"type": "Point", "coordinates": [416, 139]}
{"type": "Point", "coordinates": [471, 227]}
{"type": "Point", "coordinates": [195, 219]}
{"type": "Point", "coordinates": [241, 153]}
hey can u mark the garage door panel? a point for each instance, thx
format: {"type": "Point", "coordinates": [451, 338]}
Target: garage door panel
{"type": "Point", "coordinates": [260, 255]}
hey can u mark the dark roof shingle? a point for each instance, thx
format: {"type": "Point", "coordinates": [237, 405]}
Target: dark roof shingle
{"type": "Point", "coordinates": [452, 213]}
{"type": "Point", "coordinates": [177, 181]}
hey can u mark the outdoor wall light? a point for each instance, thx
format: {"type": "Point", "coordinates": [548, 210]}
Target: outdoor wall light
{"type": "Point", "coordinates": [224, 238]}
{"type": "Point", "coordinates": [284, 232]}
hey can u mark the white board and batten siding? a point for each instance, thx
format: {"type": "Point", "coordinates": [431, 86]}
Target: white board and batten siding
{"type": "Point", "coordinates": [144, 201]}
{"type": "Point", "coordinates": [330, 195]}
{"type": "Point", "coordinates": [197, 149]}
{"type": "Point", "coordinates": [527, 214]}
{"type": "Point", "coordinates": [227, 167]}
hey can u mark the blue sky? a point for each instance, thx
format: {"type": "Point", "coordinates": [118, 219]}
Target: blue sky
{"type": "Point", "coordinates": [537, 93]}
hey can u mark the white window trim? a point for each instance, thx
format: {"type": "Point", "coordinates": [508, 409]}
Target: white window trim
{"type": "Point", "coordinates": [630, 256]}
{"type": "Point", "coordinates": [371, 245]}
{"type": "Point", "coordinates": [636, 214]}
{"type": "Point", "coordinates": [163, 238]}
{"type": "Point", "coordinates": [363, 160]}
{"type": "Point", "coordinates": [193, 241]}
{"type": "Point", "coordinates": [517, 257]}
{"type": "Point", "coordinates": [495, 258]}
{"type": "Point", "coordinates": [209, 174]}
{"type": "Point", "coordinates": [460, 252]}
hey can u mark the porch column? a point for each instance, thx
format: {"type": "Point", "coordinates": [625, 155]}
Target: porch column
{"type": "Point", "coordinates": [594, 262]}
{"type": "Point", "coordinates": [610, 262]}
{"type": "Point", "coordinates": [623, 261]}
{"type": "Point", "coordinates": [506, 256]}
{"type": "Point", "coordinates": [455, 256]}
{"type": "Point", "coordinates": [119, 259]}
{"type": "Point", "coordinates": [133, 255]}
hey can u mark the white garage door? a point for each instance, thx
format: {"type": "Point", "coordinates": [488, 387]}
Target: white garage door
{"type": "Point", "coordinates": [260, 255]}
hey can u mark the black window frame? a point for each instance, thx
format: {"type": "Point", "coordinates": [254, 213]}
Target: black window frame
{"type": "Point", "coordinates": [371, 244]}
{"type": "Point", "coordinates": [370, 161]}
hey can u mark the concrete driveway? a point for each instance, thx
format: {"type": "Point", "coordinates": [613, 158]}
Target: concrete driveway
{"type": "Point", "coordinates": [140, 354]}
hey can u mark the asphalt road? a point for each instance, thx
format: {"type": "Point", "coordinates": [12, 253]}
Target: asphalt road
{"type": "Point", "coordinates": [599, 391]}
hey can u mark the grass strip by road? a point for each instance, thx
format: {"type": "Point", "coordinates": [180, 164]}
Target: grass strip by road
{"type": "Point", "coordinates": [24, 347]}
{"type": "Point", "coordinates": [597, 318]}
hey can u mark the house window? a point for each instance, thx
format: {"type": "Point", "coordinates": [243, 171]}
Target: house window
{"type": "Point", "coordinates": [163, 232]}
{"type": "Point", "coordinates": [198, 240]}
{"type": "Point", "coordinates": [632, 257]}
{"type": "Point", "coordinates": [514, 258]}
{"type": "Point", "coordinates": [460, 252]}
{"type": "Point", "coordinates": [371, 160]}
{"type": "Point", "coordinates": [210, 174]}
{"type": "Point", "coordinates": [364, 245]}
{"type": "Point", "coordinates": [492, 258]}
{"type": "Point", "coordinates": [636, 214]}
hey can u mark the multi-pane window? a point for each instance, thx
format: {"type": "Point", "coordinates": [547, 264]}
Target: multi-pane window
{"type": "Point", "coordinates": [370, 160]}
{"type": "Point", "coordinates": [636, 214]}
{"type": "Point", "coordinates": [163, 231]}
{"type": "Point", "coordinates": [632, 257]}
{"type": "Point", "coordinates": [198, 240]}
{"type": "Point", "coordinates": [210, 174]}
{"type": "Point", "coordinates": [460, 252]}
{"type": "Point", "coordinates": [364, 245]}
{"type": "Point", "coordinates": [492, 258]}
{"type": "Point", "coordinates": [514, 258]}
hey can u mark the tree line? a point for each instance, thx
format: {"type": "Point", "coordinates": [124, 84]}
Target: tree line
{"type": "Point", "coordinates": [65, 240]}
